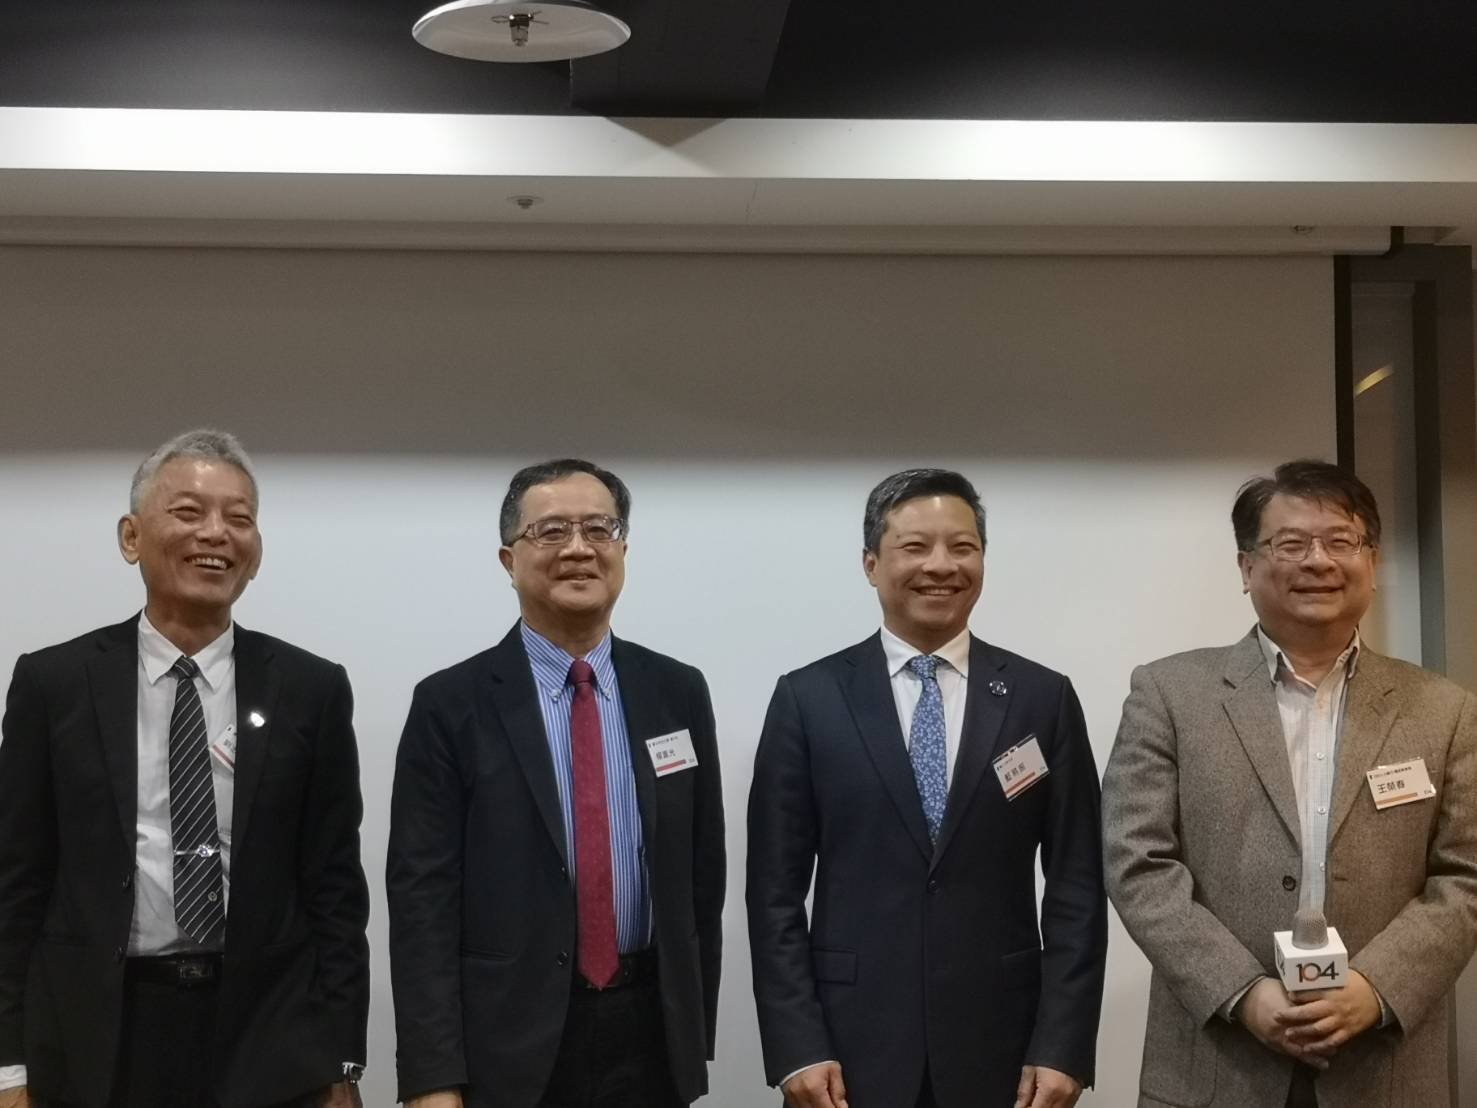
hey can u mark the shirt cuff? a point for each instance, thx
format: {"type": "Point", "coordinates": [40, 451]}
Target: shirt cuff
{"type": "Point", "coordinates": [1226, 1010]}
{"type": "Point", "coordinates": [802, 1069]}
{"type": "Point", "coordinates": [12, 1077]}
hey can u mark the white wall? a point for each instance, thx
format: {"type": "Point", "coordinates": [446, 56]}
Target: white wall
{"type": "Point", "coordinates": [1107, 408]}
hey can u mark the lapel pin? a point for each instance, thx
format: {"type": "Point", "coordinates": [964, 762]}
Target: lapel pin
{"type": "Point", "coordinates": [997, 688]}
{"type": "Point", "coordinates": [256, 719]}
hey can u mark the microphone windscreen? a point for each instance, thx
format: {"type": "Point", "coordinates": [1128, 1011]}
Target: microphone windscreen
{"type": "Point", "coordinates": [1309, 929]}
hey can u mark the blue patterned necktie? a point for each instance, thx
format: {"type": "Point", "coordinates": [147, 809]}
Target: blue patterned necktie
{"type": "Point", "coordinates": [199, 892]}
{"type": "Point", "coordinates": [927, 745]}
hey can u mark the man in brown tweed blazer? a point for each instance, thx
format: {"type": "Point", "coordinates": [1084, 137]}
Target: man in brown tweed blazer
{"type": "Point", "coordinates": [1228, 760]}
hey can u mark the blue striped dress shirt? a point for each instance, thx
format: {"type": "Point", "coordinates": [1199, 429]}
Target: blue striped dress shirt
{"type": "Point", "coordinates": [550, 665]}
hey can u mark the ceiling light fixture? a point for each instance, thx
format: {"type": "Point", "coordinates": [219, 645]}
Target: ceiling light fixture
{"type": "Point", "coordinates": [520, 30]}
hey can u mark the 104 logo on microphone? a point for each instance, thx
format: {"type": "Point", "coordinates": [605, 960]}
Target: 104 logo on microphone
{"type": "Point", "coordinates": [1302, 969]}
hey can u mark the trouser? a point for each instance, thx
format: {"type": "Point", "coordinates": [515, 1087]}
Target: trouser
{"type": "Point", "coordinates": [168, 1034]}
{"type": "Point", "coordinates": [613, 1053]}
{"type": "Point", "coordinates": [1303, 1092]}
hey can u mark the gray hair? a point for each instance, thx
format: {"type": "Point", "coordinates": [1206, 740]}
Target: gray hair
{"type": "Point", "coordinates": [203, 442]}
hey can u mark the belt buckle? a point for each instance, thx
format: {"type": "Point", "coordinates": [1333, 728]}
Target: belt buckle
{"type": "Point", "coordinates": [194, 971]}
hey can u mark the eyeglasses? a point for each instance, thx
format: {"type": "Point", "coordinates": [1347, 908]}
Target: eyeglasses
{"type": "Point", "coordinates": [599, 530]}
{"type": "Point", "coordinates": [1294, 546]}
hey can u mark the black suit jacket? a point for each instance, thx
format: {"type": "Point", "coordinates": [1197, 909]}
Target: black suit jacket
{"type": "Point", "coordinates": [294, 992]}
{"type": "Point", "coordinates": [917, 954]}
{"type": "Point", "coordinates": [482, 909]}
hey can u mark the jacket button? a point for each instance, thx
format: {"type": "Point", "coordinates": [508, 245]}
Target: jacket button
{"type": "Point", "coordinates": [563, 958]}
{"type": "Point", "coordinates": [1289, 883]}
{"type": "Point", "coordinates": [118, 954]}
{"type": "Point", "coordinates": [933, 886]}
{"type": "Point", "coordinates": [128, 880]}
{"type": "Point", "coordinates": [564, 872]}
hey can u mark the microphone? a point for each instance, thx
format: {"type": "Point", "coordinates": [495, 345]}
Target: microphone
{"type": "Point", "coordinates": [1311, 955]}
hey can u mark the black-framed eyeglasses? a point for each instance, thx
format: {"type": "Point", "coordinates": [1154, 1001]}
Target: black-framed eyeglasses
{"type": "Point", "coordinates": [599, 530]}
{"type": "Point", "coordinates": [1295, 546]}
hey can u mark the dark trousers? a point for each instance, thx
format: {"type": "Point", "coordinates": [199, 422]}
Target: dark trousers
{"type": "Point", "coordinates": [613, 1053]}
{"type": "Point", "coordinates": [1303, 1092]}
{"type": "Point", "coordinates": [164, 1053]}
{"type": "Point", "coordinates": [925, 1095]}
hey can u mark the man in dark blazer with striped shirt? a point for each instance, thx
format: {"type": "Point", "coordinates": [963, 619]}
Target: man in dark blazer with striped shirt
{"type": "Point", "coordinates": [556, 864]}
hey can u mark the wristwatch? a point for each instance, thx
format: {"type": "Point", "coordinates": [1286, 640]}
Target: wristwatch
{"type": "Point", "coordinates": [352, 1072]}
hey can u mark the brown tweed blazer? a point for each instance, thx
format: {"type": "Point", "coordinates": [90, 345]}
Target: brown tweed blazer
{"type": "Point", "coordinates": [1202, 853]}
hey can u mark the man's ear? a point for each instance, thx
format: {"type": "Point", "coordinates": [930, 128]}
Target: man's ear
{"type": "Point", "coordinates": [505, 555]}
{"type": "Point", "coordinates": [128, 539]}
{"type": "Point", "coordinates": [1243, 563]}
{"type": "Point", "coordinates": [869, 566]}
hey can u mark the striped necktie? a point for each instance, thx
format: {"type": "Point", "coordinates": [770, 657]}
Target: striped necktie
{"type": "Point", "coordinates": [928, 744]}
{"type": "Point", "coordinates": [199, 885]}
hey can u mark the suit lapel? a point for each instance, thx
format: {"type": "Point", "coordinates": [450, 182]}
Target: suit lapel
{"type": "Point", "coordinates": [984, 715]}
{"type": "Point", "coordinates": [868, 692]}
{"type": "Point", "coordinates": [1252, 708]}
{"type": "Point", "coordinates": [112, 675]}
{"type": "Point", "coordinates": [509, 685]}
{"type": "Point", "coordinates": [640, 699]}
{"type": "Point", "coordinates": [257, 685]}
{"type": "Point", "coordinates": [1369, 713]}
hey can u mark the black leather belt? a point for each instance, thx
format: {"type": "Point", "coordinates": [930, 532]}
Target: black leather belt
{"type": "Point", "coordinates": [635, 969]}
{"type": "Point", "coordinates": [183, 971]}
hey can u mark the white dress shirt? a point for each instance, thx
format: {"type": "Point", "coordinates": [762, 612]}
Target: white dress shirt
{"type": "Point", "coordinates": [154, 929]}
{"type": "Point", "coordinates": [907, 688]}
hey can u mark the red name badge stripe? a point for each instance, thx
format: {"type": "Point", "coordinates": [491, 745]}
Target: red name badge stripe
{"type": "Point", "coordinates": [1021, 784]}
{"type": "Point", "coordinates": [671, 767]}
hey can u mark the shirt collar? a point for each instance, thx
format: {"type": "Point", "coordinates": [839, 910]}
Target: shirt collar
{"type": "Point", "coordinates": [550, 663]}
{"type": "Point", "coordinates": [1275, 658]}
{"type": "Point", "coordinates": [899, 652]}
{"type": "Point", "coordinates": [158, 654]}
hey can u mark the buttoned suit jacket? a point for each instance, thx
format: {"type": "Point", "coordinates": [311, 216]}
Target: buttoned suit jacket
{"type": "Point", "coordinates": [1203, 851]}
{"type": "Point", "coordinates": [917, 954]}
{"type": "Point", "coordinates": [294, 991]}
{"type": "Point", "coordinates": [483, 943]}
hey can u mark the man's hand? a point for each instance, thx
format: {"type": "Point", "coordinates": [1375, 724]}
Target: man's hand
{"type": "Point", "coordinates": [1043, 1087]}
{"type": "Point", "coordinates": [341, 1094]}
{"type": "Point", "coordinates": [446, 1098]}
{"type": "Point", "coordinates": [1261, 1010]}
{"type": "Point", "coordinates": [818, 1086]}
{"type": "Point", "coordinates": [1322, 1020]}
{"type": "Point", "coordinates": [15, 1098]}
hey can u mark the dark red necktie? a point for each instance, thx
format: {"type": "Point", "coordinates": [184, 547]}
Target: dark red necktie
{"type": "Point", "coordinates": [594, 887]}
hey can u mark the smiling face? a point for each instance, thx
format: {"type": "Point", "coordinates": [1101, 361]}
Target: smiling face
{"type": "Point", "coordinates": [1320, 596]}
{"type": "Point", "coordinates": [928, 569]}
{"type": "Point", "coordinates": [194, 539]}
{"type": "Point", "coordinates": [574, 585]}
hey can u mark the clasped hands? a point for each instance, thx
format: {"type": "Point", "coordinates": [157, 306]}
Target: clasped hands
{"type": "Point", "coordinates": [821, 1087]}
{"type": "Point", "coordinates": [1309, 1026]}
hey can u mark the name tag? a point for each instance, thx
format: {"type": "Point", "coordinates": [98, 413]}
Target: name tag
{"type": "Point", "coordinates": [1020, 767]}
{"type": "Point", "coordinates": [224, 748]}
{"type": "Point", "coordinates": [671, 753]}
{"type": "Point", "coordinates": [1401, 783]}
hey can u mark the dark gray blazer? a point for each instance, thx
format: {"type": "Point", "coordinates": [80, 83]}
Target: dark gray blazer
{"type": "Point", "coordinates": [482, 909]}
{"type": "Point", "coordinates": [294, 995]}
{"type": "Point", "coordinates": [913, 954]}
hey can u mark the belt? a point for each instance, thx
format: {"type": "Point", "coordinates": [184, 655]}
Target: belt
{"type": "Point", "coordinates": [635, 969]}
{"type": "Point", "coordinates": [183, 971]}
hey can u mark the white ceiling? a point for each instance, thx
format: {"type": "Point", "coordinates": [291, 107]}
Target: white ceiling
{"type": "Point", "coordinates": [448, 181]}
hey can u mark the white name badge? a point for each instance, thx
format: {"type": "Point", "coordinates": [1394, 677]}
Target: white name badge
{"type": "Point", "coordinates": [671, 753]}
{"type": "Point", "coordinates": [1401, 783]}
{"type": "Point", "coordinates": [224, 748]}
{"type": "Point", "coordinates": [1020, 767]}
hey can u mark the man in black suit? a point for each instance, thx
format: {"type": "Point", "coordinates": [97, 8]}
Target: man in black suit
{"type": "Point", "coordinates": [556, 862]}
{"type": "Point", "coordinates": [916, 774]}
{"type": "Point", "coordinates": [182, 908]}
